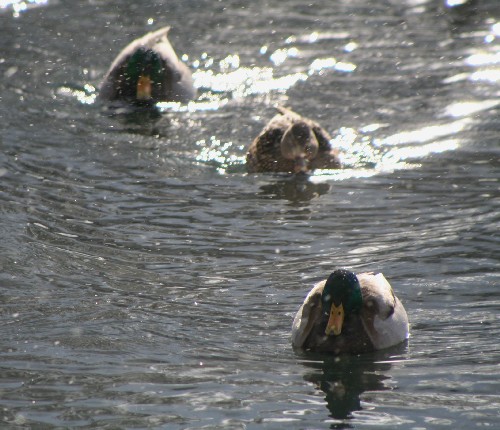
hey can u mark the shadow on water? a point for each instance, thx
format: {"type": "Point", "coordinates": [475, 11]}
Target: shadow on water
{"type": "Point", "coordinates": [138, 114]}
{"type": "Point", "coordinates": [460, 11]}
{"type": "Point", "coordinates": [294, 188]}
{"type": "Point", "coordinates": [463, 13]}
{"type": "Point", "coordinates": [140, 119]}
{"type": "Point", "coordinates": [343, 379]}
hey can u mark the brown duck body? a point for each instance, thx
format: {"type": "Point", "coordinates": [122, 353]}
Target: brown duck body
{"type": "Point", "coordinates": [265, 154]}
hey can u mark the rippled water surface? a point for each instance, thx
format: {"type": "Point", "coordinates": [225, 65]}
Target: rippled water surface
{"type": "Point", "coordinates": [148, 282]}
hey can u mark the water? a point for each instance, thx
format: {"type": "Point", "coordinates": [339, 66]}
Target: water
{"type": "Point", "coordinates": [147, 282]}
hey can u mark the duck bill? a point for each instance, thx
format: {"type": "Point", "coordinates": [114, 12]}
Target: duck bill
{"type": "Point", "coordinates": [335, 320]}
{"type": "Point", "coordinates": [144, 85]}
{"type": "Point", "coordinates": [300, 165]}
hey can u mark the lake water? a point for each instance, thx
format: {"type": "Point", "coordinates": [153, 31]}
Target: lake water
{"type": "Point", "coordinates": [148, 282]}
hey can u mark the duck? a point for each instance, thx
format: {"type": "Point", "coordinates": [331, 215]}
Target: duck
{"type": "Point", "coordinates": [291, 143]}
{"type": "Point", "coordinates": [148, 71]}
{"type": "Point", "coordinates": [350, 314]}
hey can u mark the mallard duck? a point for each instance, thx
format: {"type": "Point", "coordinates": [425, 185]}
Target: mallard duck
{"type": "Point", "coordinates": [349, 313]}
{"type": "Point", "coordinates": [148, 71]}
{"type": "Point", "coordinates": [291, 143]}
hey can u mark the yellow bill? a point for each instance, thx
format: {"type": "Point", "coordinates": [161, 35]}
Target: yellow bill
{"type": "Point", "coordinates": [144, 88]}
{"type": "Point", "coordinates": [335, 320]}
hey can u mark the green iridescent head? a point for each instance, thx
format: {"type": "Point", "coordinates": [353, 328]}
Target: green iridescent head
{"type": "Point", "coordinates": [144, 70]}
{"type": "Point", "coordinates": [341, 296]}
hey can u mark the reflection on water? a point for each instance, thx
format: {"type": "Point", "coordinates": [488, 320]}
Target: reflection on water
{"type": "Point", "coordinates": [220, 81]}
{"type": "Point", "coordinates": [233, 78]}
{"type": "Point", "coordinates": [459, 12]}
{"type": "Point", "coordinates": [20, 6]}
{"type": "Point", "coordinates": [344, 379]}
{"type": "Point", "coordinates": [146, 280]}
{"type": "Point", "coordinates": [221, 155]}
{"type": "Point", "coordinates": [367, 150]}
{"type": "Point", "coordinates": [135, 114]}
{"type": "Point", "coordinates": [294, 188]}
{"type": "Point", "coordinates": [136, 119]}
{"type": "Point", "coordinates": [85, 95]}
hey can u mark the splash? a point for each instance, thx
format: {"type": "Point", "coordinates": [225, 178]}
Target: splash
{"type": "Point", "coordinates": [364, 156]}
{"type": "Point", "coordinates": [246, 81]}
{"type": "Point", "coordinates": [219, 154]}
{"type": "Point", "coordinates": [86, 96]}
{"type": "Point", "coordinates": [229, 78]}
{"type": "Point", "coordinates": [19, 6]}
{"type": "Point", "coordinates": [220, 81]}
{"type": "Point", "coordinates": [468, 108]}
{"type": "Point", "coordinates": [424, 134]}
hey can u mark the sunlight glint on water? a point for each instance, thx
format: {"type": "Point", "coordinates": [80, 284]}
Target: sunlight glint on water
{"type": "Point", "coordinates": [147, 281]}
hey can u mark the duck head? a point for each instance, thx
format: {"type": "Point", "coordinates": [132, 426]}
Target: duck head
{"type": "Point", "coordinates": [143, 72]}
{"type": "Point", "coordinates": [299, 145]}
{"type": "Point", "coordinates": [341, 296]}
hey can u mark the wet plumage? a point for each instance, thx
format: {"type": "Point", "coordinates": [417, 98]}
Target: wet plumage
{"type": "Point", "coordinates": [350, 313]}
{"type": "Point", "coordinates": [148, 71]}
{"type": "Point", "coordinates": [291, 143]}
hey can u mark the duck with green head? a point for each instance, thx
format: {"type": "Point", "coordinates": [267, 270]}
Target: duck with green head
{"type": "Point", "coordinates": [349, 313]}
{"type": "Point", "coordinates": [147, 71]}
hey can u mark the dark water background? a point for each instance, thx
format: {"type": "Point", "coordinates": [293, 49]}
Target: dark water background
{"type": "Point", "coordinates": [148, 282]}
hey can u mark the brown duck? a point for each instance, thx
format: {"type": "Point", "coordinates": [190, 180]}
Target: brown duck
{"type": "Point", "coordinates": [291, 143]}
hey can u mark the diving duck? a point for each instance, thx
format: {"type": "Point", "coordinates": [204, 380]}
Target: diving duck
{"type": "Point", "coordinates": [291, 143]}
{"type": "Point", "coordinates": [148, 71]}
{"type": "Point", "coordinates": [349, 313]}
